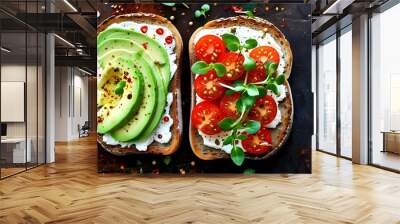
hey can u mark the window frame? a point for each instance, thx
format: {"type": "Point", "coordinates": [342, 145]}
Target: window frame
{"type": "Point", "coordinates": [334, 37]}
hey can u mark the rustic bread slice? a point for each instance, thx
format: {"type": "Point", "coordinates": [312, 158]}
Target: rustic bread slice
{"type": "Point", "coordinates": [174, 87]}
{"type": "Point", "coordinates": [281, 132]}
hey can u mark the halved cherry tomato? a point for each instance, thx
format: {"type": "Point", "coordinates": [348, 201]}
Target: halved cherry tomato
{"type": "Point", "coordinates": [256, 75]}
{"type": "Point", "coordinates": [234, 65]}
{"type": "Point", "coordinates": [205, 117]}
{"type": "Point", "coordinates": [228, 105]}
{"type": "Point", "coordinates": [264, 110]}
{"type": "Point", "coordinates": [207, 86]}
{"type": "Point", "coordinates": [262, 55]}
{"type": "Point", "coordinates": [209, 48]}
{"type": "Point", "coordinates": [258, 143]}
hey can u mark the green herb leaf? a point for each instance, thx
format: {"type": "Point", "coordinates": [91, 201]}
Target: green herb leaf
{"type": "Point", "coordinates": [250, 44]}
{"type": "Point", "coordinates": [249, 171]}
{"type": "Point", "coordinates": [245, 102]}
{"type": "Point", "coordinates": [169, 4]}
{"type": "Point", "coordinates": [238, 82]}
{"type": "Point", "coordinates": [252, 127]}
{"type": "Point", "coordinates": [280, 79]}
{"type": "Point", "coordinates": [200, 67]}
{"type": "Point", "coordinates": [252, 90]}
{"type": "Point", "coordinates": [262, 91]}
{"type": "Point", "coordinates": [242, 137]}
{"type": "Point", "coordinates": [249, 63]}
{"type": "Point", "coordinates": [219, 69]}
{"type": "Point", "coordinates": [274, 88]}
{"type": "Point", "coordinates": [249, 14]}
{"type": "Point", "coordinates": [167, 160]}
{"type": "Point", "coordinates": [121, 84]}
{"type": "Point", "coordinates": [205, 7]}
{"type": "Point", "coordinates": [119, 90]}
{"type": "Point", "coordinates": [238, 88]}
{"type": "Point", "coordinates": [231, 41]}
{"type": "Point", "coordinates": [229, 140]}
{"type": "Point", "coordinates": [271, 68]}
{"type": "Point", "coordinates": [229, 92]}
{"type": "Point", "coordinates": [237, 156]}
{"type": "Point", "coordinates": [226, 124]}
{"type": "Point", "coordinates": [198, 13]}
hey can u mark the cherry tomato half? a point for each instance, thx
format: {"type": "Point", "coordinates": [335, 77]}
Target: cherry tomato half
{"type": "Point", "coordinates": [228, 105]}
{"type": "Point", "coordinates": [209, 48]}
{"type": "Point", "coordinates": [207, 86]}
{"type": "Point", "coordinates": [205, 117]}
{"type": "Point", "coordinates": [234, 65]}
{"type": "Point", "coordinates": [262, 55]}
{"type": "Point", "coordinates": [256, 75]}
{"type": "Point", "coordinates": [264, 110]}
{"type": "Point", "coordinates": [258, 143]}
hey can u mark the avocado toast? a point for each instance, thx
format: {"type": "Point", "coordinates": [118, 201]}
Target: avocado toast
{"type": "Point", "coordinates": [147, 48]}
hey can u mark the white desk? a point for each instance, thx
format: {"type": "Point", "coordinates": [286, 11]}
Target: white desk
{"type": "Point", "coordinates": [19, 154]}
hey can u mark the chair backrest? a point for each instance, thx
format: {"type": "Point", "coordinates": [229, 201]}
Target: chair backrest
{"type": "Point", "coordinates": [86, 125]}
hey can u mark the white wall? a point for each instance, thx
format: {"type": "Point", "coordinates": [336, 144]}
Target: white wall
{"type": "Point", "coordinates": [71, 102]}
{"type": "Point", "coordinates": [34, 124]}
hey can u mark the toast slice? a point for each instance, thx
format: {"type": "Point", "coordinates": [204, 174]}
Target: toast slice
{"type": "Point", "coordinates": [281, 132]}
{"type": "Point", "coordinates": [174, 87]}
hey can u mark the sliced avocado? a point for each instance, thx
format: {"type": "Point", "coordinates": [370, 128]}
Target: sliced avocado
{"type": "Point", "coordinates": [161, 93]}
{"type": "Point", "coordinates": [124, 44]}
{"type": "Point", "coordinates": [155, 49]}
{"type": "Point", "coordinates": [116, 106]}
{"type": "Point", "coordinates": [141, 118]}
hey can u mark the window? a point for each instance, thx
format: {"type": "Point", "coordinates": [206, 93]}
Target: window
{"type": "Point", "coordinates": [346, 92]}
{"type": "Point", "coordinates": [327, 96]}
{"type": "Point", "coordinates": [385, 89]}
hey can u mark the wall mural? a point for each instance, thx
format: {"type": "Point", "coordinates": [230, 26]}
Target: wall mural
{"type": "Point", "coordinates": [204, 88]}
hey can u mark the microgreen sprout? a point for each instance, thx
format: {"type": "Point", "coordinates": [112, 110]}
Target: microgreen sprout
{"type": "Point", "coordinates": [201, 67]}
{"type": "Point", "coordinates": [119, 90]}
{"type": "Point", "coordinates": [202, 11]}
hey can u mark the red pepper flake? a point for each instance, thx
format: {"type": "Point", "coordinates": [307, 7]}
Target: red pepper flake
{"type": "Point", "coordinates": [169, 39]}
{"type": "Point", "coordinates": [145, 45]}
{"type": "Point", "coordinates": [165, 119]}
{"type": "Point", "coordinates": [237, 9]}
{"type": "Point", "coordinates": [100, 119]}
{"type": "Point", "coordinates": [144, 29]}
{"type": "Point", "coordinates": [160, 31]}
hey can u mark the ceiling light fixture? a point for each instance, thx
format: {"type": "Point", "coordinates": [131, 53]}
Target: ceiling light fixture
{"type": "Point", "coordinates": [5, 50]}
{"type": "Point", "coordinates": [64, 40]}
{"type": "Point", "coordinates": [70, 5]}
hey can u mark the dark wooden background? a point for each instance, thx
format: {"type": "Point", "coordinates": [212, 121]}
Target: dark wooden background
{"type": "Point", "coordinates": [294, 20]}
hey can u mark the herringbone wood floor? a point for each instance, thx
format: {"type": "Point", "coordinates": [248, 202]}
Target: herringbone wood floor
{"type": "Point", "coordinates": [70, 191]}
